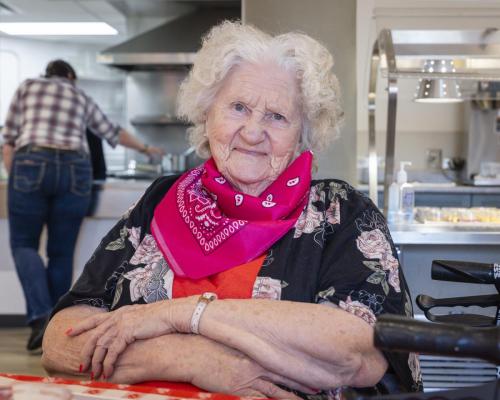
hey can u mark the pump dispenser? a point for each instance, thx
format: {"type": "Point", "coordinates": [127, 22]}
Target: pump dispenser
{"type": "Point", "coordinates": [406, 195]}
{"type": "Point", "coordinates": [402, 176]}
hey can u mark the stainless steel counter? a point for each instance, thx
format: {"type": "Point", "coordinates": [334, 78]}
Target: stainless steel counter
{"type": "Point", "coordinates": [113, 198]}
{"type": "Point", "coordinates": [444, 188]}
{"type": "Point", "coordinates": [128, 184]}
{"type": "Point", "coordinates": [445, 235]}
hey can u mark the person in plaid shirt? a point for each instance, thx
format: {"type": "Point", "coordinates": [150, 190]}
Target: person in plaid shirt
{"type": "Point", "coordinates": [46, 154]}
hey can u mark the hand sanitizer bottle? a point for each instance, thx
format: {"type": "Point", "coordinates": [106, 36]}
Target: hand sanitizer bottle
{"type": "Point", "coordinates": [406, 196]}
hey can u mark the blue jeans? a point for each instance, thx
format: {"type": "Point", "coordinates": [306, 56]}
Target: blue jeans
{"type": "Point", "coordinates": [46, 187]}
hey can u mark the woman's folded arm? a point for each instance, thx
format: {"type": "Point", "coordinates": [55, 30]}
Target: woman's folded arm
{"type": "Point", "coordinates": [319, 346]}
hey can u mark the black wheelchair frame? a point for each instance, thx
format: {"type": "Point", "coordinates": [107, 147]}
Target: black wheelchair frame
{"type": "Point", "coordinates": [458, 335]}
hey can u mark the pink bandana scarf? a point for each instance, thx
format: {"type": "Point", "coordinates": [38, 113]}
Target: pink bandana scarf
{"type": "Point", "coordinates": [203, 226]}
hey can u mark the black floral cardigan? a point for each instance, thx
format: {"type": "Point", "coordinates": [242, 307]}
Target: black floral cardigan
{"type": "Point", "coordinates": [339, 254]}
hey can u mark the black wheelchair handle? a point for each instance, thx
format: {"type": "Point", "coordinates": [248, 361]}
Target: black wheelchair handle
{"type": "Point", "coordinates": [425, 302]}
{"type": "Point", "coordinates": [397, 333]}
{"type": "Point", "coordinates": [465, 271]}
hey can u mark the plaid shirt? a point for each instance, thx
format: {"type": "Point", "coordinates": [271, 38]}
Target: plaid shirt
{"type": "Point", "coordinates": [54, 112]}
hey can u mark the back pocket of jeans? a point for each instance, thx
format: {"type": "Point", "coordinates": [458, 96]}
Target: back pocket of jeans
{"type": "Point", "coordinates": [81, 179]}
{"type": "Point", "coordinates": [28, 175]}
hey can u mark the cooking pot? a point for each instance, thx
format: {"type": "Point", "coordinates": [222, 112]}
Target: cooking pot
{"type": "Point", "coordinates": [176, 162]}
{"type": "Point", "coordinates": [173, 162]}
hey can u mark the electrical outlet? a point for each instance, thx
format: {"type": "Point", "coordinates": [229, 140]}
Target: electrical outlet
{"type": "Point", "coordinates": [446, 164]}
{"type": "Point", "coordinates": [434, 158]}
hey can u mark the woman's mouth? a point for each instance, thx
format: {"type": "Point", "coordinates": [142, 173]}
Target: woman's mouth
{"type": "Point", "coordinates": [250, 152]}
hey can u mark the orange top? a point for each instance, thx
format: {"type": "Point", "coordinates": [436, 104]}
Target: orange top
{"type": "Point", "coordinates": [234, 283]}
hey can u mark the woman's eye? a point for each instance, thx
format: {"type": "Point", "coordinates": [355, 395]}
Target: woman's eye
{"type": "Point", "coordinates": [239, 107]}
{"type": "Point", "coordinates": [278, 117]}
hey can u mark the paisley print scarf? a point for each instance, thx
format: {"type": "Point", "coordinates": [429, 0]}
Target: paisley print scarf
{"type": "Point", "coordinates": [203, 226]}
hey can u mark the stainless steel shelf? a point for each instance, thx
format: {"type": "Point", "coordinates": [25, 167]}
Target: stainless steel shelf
{"type": "Point", "coordinates": [475, 75]}
{"type": "Point", "coordinates": [402, 54]}
{"type": "Point", "coordinates": [157, 120]}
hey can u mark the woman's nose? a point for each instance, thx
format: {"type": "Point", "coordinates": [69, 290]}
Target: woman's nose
{"type": "Point", "coordinates": [253, 130]}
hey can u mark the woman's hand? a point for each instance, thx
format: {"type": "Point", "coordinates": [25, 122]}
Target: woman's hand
{"type": "Point", "coordinates": [110, 333]}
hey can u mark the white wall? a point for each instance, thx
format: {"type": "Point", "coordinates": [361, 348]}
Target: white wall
{"type": "Point", "coordinates": [26, 58]}
{"type": "Point", "coordinates": [22, 58]}
{"type": "Point", "coordinates": [419, 127]}
{"type": "Point", "coordinates": [333, 23]}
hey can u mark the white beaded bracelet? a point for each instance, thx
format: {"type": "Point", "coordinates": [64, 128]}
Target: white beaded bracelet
{"type": "Point", "coordinates": [203, 301]}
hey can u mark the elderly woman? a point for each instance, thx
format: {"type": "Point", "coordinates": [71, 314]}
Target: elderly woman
{"type": "Point", "coordinates": [243, 275]}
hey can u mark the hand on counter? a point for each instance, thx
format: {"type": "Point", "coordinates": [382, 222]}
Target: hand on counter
{"type": "Point", "coordinates": [154, 153]}
{"type": "Point", "coordinates": [128, 140]}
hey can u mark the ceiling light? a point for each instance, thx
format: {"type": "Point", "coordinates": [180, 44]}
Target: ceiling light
{"type": "Point", "coordinates": [438, 90]}
{"type": "Point", "coordinates": [57, 28]}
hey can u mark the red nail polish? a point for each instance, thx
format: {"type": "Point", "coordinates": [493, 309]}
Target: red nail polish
{"type": "Point", "coordinates": [80, 369]}
{"type": "Point", "coordinates": [92, 376]}
{"type": "Point", "coordinates": [68, 331]}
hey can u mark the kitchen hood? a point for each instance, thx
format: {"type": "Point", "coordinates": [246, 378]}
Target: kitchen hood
{"type": "Point", "coordinates": [171, 45]}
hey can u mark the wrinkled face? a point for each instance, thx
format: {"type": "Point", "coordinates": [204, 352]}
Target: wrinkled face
{"type": "Point", "coordinates": [254, 125]}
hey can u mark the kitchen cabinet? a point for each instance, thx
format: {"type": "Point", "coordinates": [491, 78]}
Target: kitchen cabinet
{"type": "Point", "coordinates": [442, 200]}
{"type": "Point", "coordinates": [12, 302]}
{"type": "Point", "coordinates": [483, 200]}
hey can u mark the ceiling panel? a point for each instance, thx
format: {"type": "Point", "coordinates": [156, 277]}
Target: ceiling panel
{"type": "Point", "coordinates": [68, 11]}
{"type": "Point", "coordinates": [123, 15]}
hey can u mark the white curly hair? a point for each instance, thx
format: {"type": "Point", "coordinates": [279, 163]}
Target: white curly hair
{"type": "Point", "coordinates": [230, 44]}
